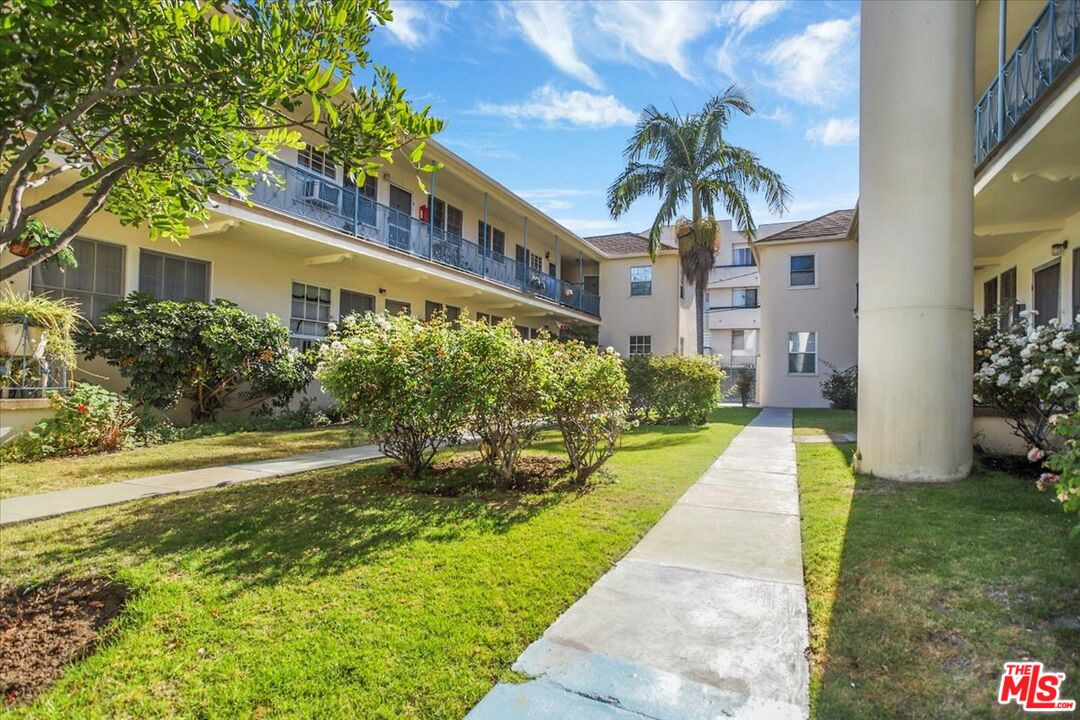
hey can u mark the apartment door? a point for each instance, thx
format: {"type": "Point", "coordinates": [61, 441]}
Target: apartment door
{"type": "Point", "coordinates": [400, 217]}
{"type": "Point", "coordinates": [1047, 291]}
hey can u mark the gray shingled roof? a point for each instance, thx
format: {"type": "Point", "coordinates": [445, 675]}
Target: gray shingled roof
{"type": "Point", "coordinates": [624, 243]}
{"type": "Point", "coordinates": [829, 225]}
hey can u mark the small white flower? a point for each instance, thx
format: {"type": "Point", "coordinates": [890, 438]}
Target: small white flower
{"type": "Point", "coordinates": [1003, 379]}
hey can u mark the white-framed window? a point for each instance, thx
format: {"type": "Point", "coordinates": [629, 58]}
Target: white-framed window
{"type": "Point", "coordinates": [738, 340]}
{"type": "Point", "coordinates": [742, 256]}
{"type": "Point", "coordinates": [744, 297]}
{"type": "Point", "coordinates": [802, 352]}
{"type": "Point", "coordinates": [640, 345]}
{"type": "Point", "coordinates": [397, 307]}
{"type": "Point", "coordinates": [96, 283]}
{"type": "Point", "coordinates": [169, 277]}
{"type": "Point", "coordinates": [491, 238]}
{"type": "Point", "coordinates": [802, 270]}
{"type": "Point", "coordinates": [641, 280]}
{"type": "Point", "coordinates": [309, 314]}
{"type": "Point", "coordinates": [317, 162]}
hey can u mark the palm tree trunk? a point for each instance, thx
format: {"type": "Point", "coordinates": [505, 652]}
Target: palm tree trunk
{"type": "Point", "coordinates": [699, 294]}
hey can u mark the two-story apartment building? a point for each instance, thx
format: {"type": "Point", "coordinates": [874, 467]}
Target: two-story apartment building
{"type": "Point", "coordinates": [808, 310]}
{"type": "Point", "coordinates": [647, 305]}
{"type": "Point", "coordinates": [969, 202]}
{"type": "Point", "coordinates": [316, 247]}
{"type": "Point", "coordinates": [733, 308]}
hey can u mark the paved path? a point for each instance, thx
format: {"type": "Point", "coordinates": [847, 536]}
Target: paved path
{"type": "Point", "coordinates": [705, 618]}
{"type": "Point", "coordinates": [35, 507]}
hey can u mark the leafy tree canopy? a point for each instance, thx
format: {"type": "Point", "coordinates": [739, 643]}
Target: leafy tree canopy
{"type": "Point", "coordinates": [146, 109]}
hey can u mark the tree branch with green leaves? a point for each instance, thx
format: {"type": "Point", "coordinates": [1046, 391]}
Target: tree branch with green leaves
{"type": "Point", "coordinates": [147, 110]}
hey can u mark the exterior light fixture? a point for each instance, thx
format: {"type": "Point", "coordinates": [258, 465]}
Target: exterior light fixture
{"type": "Point", "coordinates": [1058, 249]}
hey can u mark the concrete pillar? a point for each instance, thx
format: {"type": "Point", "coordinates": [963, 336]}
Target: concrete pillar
{"type": "Point", "coordinates": [915, 239]}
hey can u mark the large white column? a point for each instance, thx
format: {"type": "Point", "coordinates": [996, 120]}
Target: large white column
{"type": "Point", "coordinates": [915, 238]}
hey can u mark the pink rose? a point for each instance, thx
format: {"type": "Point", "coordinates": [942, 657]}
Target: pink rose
{"type": "Point", "coordinates": [1035, 454]}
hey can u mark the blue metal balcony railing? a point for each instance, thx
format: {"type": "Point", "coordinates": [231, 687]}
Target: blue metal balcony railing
{"type": "Point", "coordinates": [1050, 45]}
{"type": "Point", "coordinates": [318, 199]}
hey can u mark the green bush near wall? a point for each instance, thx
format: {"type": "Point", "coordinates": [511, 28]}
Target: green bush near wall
{"type": "Point", "coordinates": [673, 389]}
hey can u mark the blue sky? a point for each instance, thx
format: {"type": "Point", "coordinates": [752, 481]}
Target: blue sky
{"type": "Point", "coordinates": [542, 96]}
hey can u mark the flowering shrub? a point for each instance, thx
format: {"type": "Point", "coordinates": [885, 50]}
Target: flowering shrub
{"type": "Point", "coordinates": [590, 403]}
{"type": "Point", "coordinates": [673, 388]}
{"type": "Point", "coordinates": [1065, 465]}
{"type": "Point", "coordinates": [408, 383]}
{"type": "Point", "coordinates": [509, 390]}
{"type": "Point", "coordinates": [91, 419]}
{"type": "Point", "coordinates": [202, 352]}
{"type": "Point", "coordinates": [1027, 374]}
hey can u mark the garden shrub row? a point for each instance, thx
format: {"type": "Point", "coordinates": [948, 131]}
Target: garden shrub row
{"type": "Point", "coordinates": [673, 388]}
{"type": "Point", "coordinates": [418, 387]}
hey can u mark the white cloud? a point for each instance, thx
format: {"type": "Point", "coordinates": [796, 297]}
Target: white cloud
{"type": "Point", "coordinates": [415, 23]}
{"type": "Point", "coordinates": [589, 226]}
{"type": "Point", "coordinates": [816, 66]}
{"type": "Point", "coordinates": [552, 28]}
{"type": "Point", "coordinates": [835, 131]}
{"type": "Point", "coordinates": [656, 30]}
{"type": "Point", "coordinates": [554, 107]}
{"type": "Point", "coordinates": [553, 199]}
{"type": "Point", "coordinates": [780, 115]}
{"type": "Point", "coordinates": [748, 14]}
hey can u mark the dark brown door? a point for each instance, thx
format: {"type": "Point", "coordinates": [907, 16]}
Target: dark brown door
{"type": "Point", "coordinates": [1047, 293]}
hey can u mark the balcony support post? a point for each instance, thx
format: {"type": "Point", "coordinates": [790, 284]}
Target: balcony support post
{"type": "Point", "coordinates": [1002, 24]}
{"type": "Point", "coordinates": [525, 282]}
{"type": "Point", "coordinates": [555, 257]}
{"type": "Point", "coordinates": [431, 219]}
{"type": "Point", "coordinates": [916, 240]}
{"type": "Point", "coordinates": [483, 240]}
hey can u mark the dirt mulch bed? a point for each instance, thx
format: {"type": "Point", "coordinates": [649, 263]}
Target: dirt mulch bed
{"type": "Point", "coordinates": [44, 628]}
{"type": "Point", "coordinates": [463, 472]}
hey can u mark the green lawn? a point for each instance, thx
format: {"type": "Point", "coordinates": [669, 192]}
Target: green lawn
{"type": "Point", "coordinates": [336, 594]}
{"type": "Point", "coordinates": [919, 593]}
{"type": "Point", "coordinates": [62, 473]}
{"type": "Point", "coordinates": [824, 422]}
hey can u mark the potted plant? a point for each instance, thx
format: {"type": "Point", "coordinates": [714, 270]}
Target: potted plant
{"type": "Point", "coordinates": [37, 235]}
{"type": "Point", "coordinates": [35, 325]}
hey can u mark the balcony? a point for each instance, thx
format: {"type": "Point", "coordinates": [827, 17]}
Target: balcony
{"type": "Point", "coordinates": [733, 317]}
{"type": "Point", "coordinates": [1045, 52]}
{"type": "Point", "coordinates": [317, 199]}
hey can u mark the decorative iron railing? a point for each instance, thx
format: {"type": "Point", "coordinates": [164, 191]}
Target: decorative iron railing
{"type": "Point", "coordinates": [26, 371]}
{"type": "Point", "coordinates": [1050, 45]}
{"type": "Point", "coordinates": [310, 196]}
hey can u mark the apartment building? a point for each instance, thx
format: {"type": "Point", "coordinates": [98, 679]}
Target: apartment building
{"type": "Point", "coordinates": [647, 305]}
{"type": "Point", "coordinates": [732, 299]}
{"type": "Point", "coordinates": [809, 305]}
{"type": "Point", "coordinates": [317, 246]}
{"type": "Point", "coordinates": [969, 202]}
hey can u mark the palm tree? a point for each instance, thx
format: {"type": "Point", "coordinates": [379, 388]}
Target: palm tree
{"type": "Point", "coordinates": [685, 160]}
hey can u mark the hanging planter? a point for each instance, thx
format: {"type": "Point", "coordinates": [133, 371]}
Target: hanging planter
{"type": "Point", "coordinates": [19, 249]}
{"type": "Point", "coordinates": [568, 293]}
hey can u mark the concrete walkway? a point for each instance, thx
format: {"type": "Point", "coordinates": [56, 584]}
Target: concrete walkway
{"type": "Point", "coordinates": [705, 618]}
{"type": "Point", "coordinates": [35, 507]}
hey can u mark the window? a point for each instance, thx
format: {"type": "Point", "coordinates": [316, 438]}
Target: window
{"type": "Point", "coordinates": [168, 277]}
{"type": "Point", "coordinates": [317, 162]}
{"type": "Point", "coordinates": [802, 353]}
{"type": "Point", "coordinates": [640, 344]}
{"type": "Point", "coordinates": [803, 272]}
{"type": "Point", "coordinates": [742, 256]}
{"type": "Point", "coordinates": [1007, 298]}
{"type": "Point", "coordinates": [738, 340]}
{"type": "Point", "coordinates": [451, 312]}
{"type": "Point", "coordinates": [96, 283]}
{"type": "Point", "coordinates": [682, 345]}
{"type": "Point", "coordinates": [396, 307]}
{"type": "Point", "coordinates": [354, 303]}
{"type": "Point", "coordinates": [455, 221]}
{"type": "Point", "coordinates": [744, 297]}
{"type": "Point", "coordinates": [682, 290]}
{"type": "Point", "coordinates": [483, 317]}
{"type": "Point", "coordinates": [309, 314]}
{"type": "Point", "coordinates": [641, 280]}
{"type": "Point", "coordinates": [492, 239]}
{"type": "Point", "coordinates": [990, 296]}
{"type": "Point", "coordinates": [592, 284]}
{"type": "Point", "coordinates": [1075, 285]}
{"type": "Point", "coordinates": [447, 217]}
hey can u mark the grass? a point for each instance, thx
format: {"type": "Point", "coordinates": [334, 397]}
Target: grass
{"type": "Point", "coordinates": [61, 473]}
{"type": "Point", "coordinates": [824, 422]}
{"type": "Point", "coordinates": [919, 593]}
{"type": "Point", "coordinates": [336, 594]}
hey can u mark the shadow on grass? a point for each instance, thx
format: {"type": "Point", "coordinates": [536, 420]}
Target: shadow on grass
{"type": "Point", "coordinates": [320, 523]}
{"type": "Point", "coordinates": [937, 586]}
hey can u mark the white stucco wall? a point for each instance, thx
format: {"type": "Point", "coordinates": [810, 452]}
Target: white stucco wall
{"type": "Point", "coordinates": [827, 309]}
